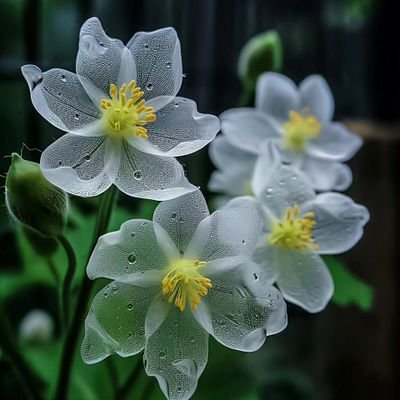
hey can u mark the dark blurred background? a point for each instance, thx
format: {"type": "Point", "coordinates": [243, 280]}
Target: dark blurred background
{"type": "Point", "coordinates": [342, 353]}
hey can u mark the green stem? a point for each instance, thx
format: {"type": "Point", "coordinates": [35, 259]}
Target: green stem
{"type": "Point", "coordinates": [130, 381]}
{"type": "Point", "coordinates": [66, 287]}
{"type": "Point", "coordinates": [31, 383]}
{"type": "Point", "coordinates": [69, 350]}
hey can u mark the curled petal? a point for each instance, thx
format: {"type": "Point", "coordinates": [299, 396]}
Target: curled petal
{"type": "Point", "coordinates": [59, 97]}
{"type": "Point", "coordinates": [276, 95]}
{"type": "Point", "coordinates": [228, 232]}
{"type": "Point", "coordinates": [80, 165]}
{"type": "Point", "coordinates": [339, 222]}
{"type": "Point", "coordinates": [176, 354]}
{"type": "Point", "coordinates": [316, 96]}
{"type": "Point", "coordinates": [179, 129]}
{"type": "Point", "coordinates": [327, 175]}
{"type": "Point", "coordinates": [150, 177]}
{"type": "Point", "coordinates": [278, 186]}
{"type": "Point", "coordinates": [336, 143]}
{"type": "Point", "coordinates": [239, 308]}
{"type": "Point", "coordinates": [304, 280]}
{"type": "Point", "coordinates": [181, 216]}
{"type": "Point", "coordinates": [158, 60]}
{"type": "Point", "coordinates": [247, 128]}
{"type": "Point", "coordinates": [235, 168]}
{"type": "Point", "coordinates": [101, 61]}
{"type": "Point", "coordinates": [115, 322]}
{"type": "Point", "coordinates": [133, 248]}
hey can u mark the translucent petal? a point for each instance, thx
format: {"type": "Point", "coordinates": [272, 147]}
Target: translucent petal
{"type": "Point", "coordinates": [176, 354]}
{"type": "Point", "coordinates": [80, 165]}
{"type": "Point", "coordinates": [266, 257]}
{"type": "Point", "coordinates": [305, 280]}
{"type": "Point", "coordinates": [327, 175]}
{"type": "Point", "coordinates": [237, 309]}
{"type": "Point", "coordinates": [246, 128]}
{"type": "Point", "coordinates": [228, 232]}
{"type": "Point", "coordinates": [276, 95]}
{"type": "Point", "coordinates": [179, 130]}
{"type": "Point", "coordinates": [235, 168]}
{"type": "Point", "coordinates": [101, 60]}
{"type": "Point", "coordinates": [60, 98]}
{"type": "Point", "coordinates": [180, 217]}
{"type": "Point", "coordinates": [158, 62]}
{"type": "Point", "coordinates": [339, 222]}
{"type": "Point", "coordinates": [316, 96]}
{"type": "Point", "coordinates": [133, 248]}
{"type": "Point", "coordinates": [150, 177]}
{"type": "Point", "coordinates": [115, 322]}
{"type": "Point", "coordinates": [278, 186]}
{"type": "Point", "coordinates": [336, 143]}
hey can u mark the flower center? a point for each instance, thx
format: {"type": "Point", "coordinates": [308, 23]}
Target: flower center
{"type": "Point", "coordinates": [300, 128]}
{"type": "Point", "coordinates": [125, 113]}
{"type": "Point", "coordinates": [184, 283]}
{"type": "Point", "coordinates": [293, 231]}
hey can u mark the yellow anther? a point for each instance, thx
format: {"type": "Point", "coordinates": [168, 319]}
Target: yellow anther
{"type": "Point", "coordinates": [125, 113]}
{"type": "Point", "coordinates": [300, 128]}
{"type": "Point", "coordinates": [183, 283]}
{"type": "Point", "coordinates": [293, 231]}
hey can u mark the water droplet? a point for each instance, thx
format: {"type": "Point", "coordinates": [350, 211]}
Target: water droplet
{"type": "Point", "coordinates": [282, 182]}
{"type": "Point", "coordinates": [255, 276]}
{"type": "Point", "coordinates": [138, 175]}
{"type": "Point", "coordinates": [162, 354]}
{"type": "Point", "coordinates": [149, 86]}
{"type": "Point", "coordinates": [146, 46]}
{"type": "Point", "coordinates": [145, 223]}
{"type": "Point", "coordinates": [91, 46]}
{"type": "Point", "coordinates": [176, 323]}
{"type": "Point", "coordinates": [88, 157]}
{"type": "Point", "coordinates": [33, 75]}
{"type": "Point", "coordinates": [181, 220]}
{"type": "Point", "coordinates": [176, 105]}
{"type": "Point", "coordinates": [168, 64]}
{"type": "Point", "coordinates": [243, 242]}
{"type": "Point", "coordinates": [132, 258]}
{"type": "Point", "coordinates": [179, 389]}
{"type": "Point", "coordinates": [133, 234]}
{"type": "Point", "coordinates": [114, 288]}
{"type": "Point", "coordinates": [173, 215]}
{"type": "Point", "coordinates": [60, 163]}
{"type": "Point", "coordinates": [76, 117]}
{"type": "Point", "coordinates": [63, 78]}
{"type": "Point", "coordinates": [105, 294]}
{"type": "Point", "coordinates": [130, 306]}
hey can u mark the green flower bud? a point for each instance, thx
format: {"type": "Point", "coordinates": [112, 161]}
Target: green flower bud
{"type": "Point", "coordinates": [261, 53]}
{"type": "Point", "coordinates": [34, 201]}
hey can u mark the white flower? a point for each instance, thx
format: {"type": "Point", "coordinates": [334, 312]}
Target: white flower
{"type": "Point", "coordinates": [299, 226]}
{"type": "Point", "coordinates": [36, 327]}
{"type": "Point", "coordinates": [176, 280]}
{"type": "Point", "coordinates": [123, 120]}
{"type": "Point", "coordinates": [299, 121]}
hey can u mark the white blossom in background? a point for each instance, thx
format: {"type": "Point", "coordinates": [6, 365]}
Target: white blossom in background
{"type": "Point", "coordinates": [177, 279]}
{"type": "Point", "coordinates": [299, 121]}
{"type": "Point", "coordinates": [123, 120]}
{"type": "Point", "coordinates": [299, 227]}
{"type": "Point", "coordinates": [37, 327]}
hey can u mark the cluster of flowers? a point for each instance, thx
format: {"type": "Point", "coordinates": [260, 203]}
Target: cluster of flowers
{"type": "Point", "coordinates": [187, 274]}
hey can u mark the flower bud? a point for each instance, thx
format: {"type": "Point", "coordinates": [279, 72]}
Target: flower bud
{"type": "Point", "coordinates": [36, 327]}
{"type": "Point", "coordinates": [34, 201]}
{"type": "Point", "coordinates": [262, 53]}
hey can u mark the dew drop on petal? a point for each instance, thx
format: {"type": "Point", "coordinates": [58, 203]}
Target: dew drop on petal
{"type": "Point", "coordinates": [88, 157]}
{"type": "Point", "coordinates": [162, 354]}
{"type": "Point", "coordinates": [138, 175]}
{"type": "Point", "coordinates": [146, 46]}
{"type": "Point", "coordinates": [63, 78]}
{"type": "Point", "coordinates": [76, 117]}
{"type": "Point", "coordinates": [132, 258]}
{"type": "Point", "coordinates": [130, 306]}
{"type": "Point", "coordinates": [173, 215]}
{"type": "Point", "coordinates": [168, 64]}
{"type": "Point", "coordinates": [149, 86]}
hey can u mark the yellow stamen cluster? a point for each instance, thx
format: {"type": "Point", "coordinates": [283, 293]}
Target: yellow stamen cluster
{"type": "Point", "coordinates": [183, 283]}
{"type": "Point", "coordinates": [293, 231]}
{"type": "Point", "coordinates": [300, 128]}
{"type": "Point", "coordinates": [125, 113]}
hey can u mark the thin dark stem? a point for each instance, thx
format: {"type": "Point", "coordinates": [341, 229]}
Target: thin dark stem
{"type": "Point", "coordinates": [130, 381]}
{"type": "Point", "coordinates": [66, 287]}
{"type": "Point", "coordinates": [69, 350]}
{"type": "Point", "coordinates": [30, 382]}
{"type": "Point", "coordinates": [53, 270]}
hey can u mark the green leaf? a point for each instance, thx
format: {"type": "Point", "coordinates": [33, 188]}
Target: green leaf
{"type": "Point", "coordinates": [348, 288]}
